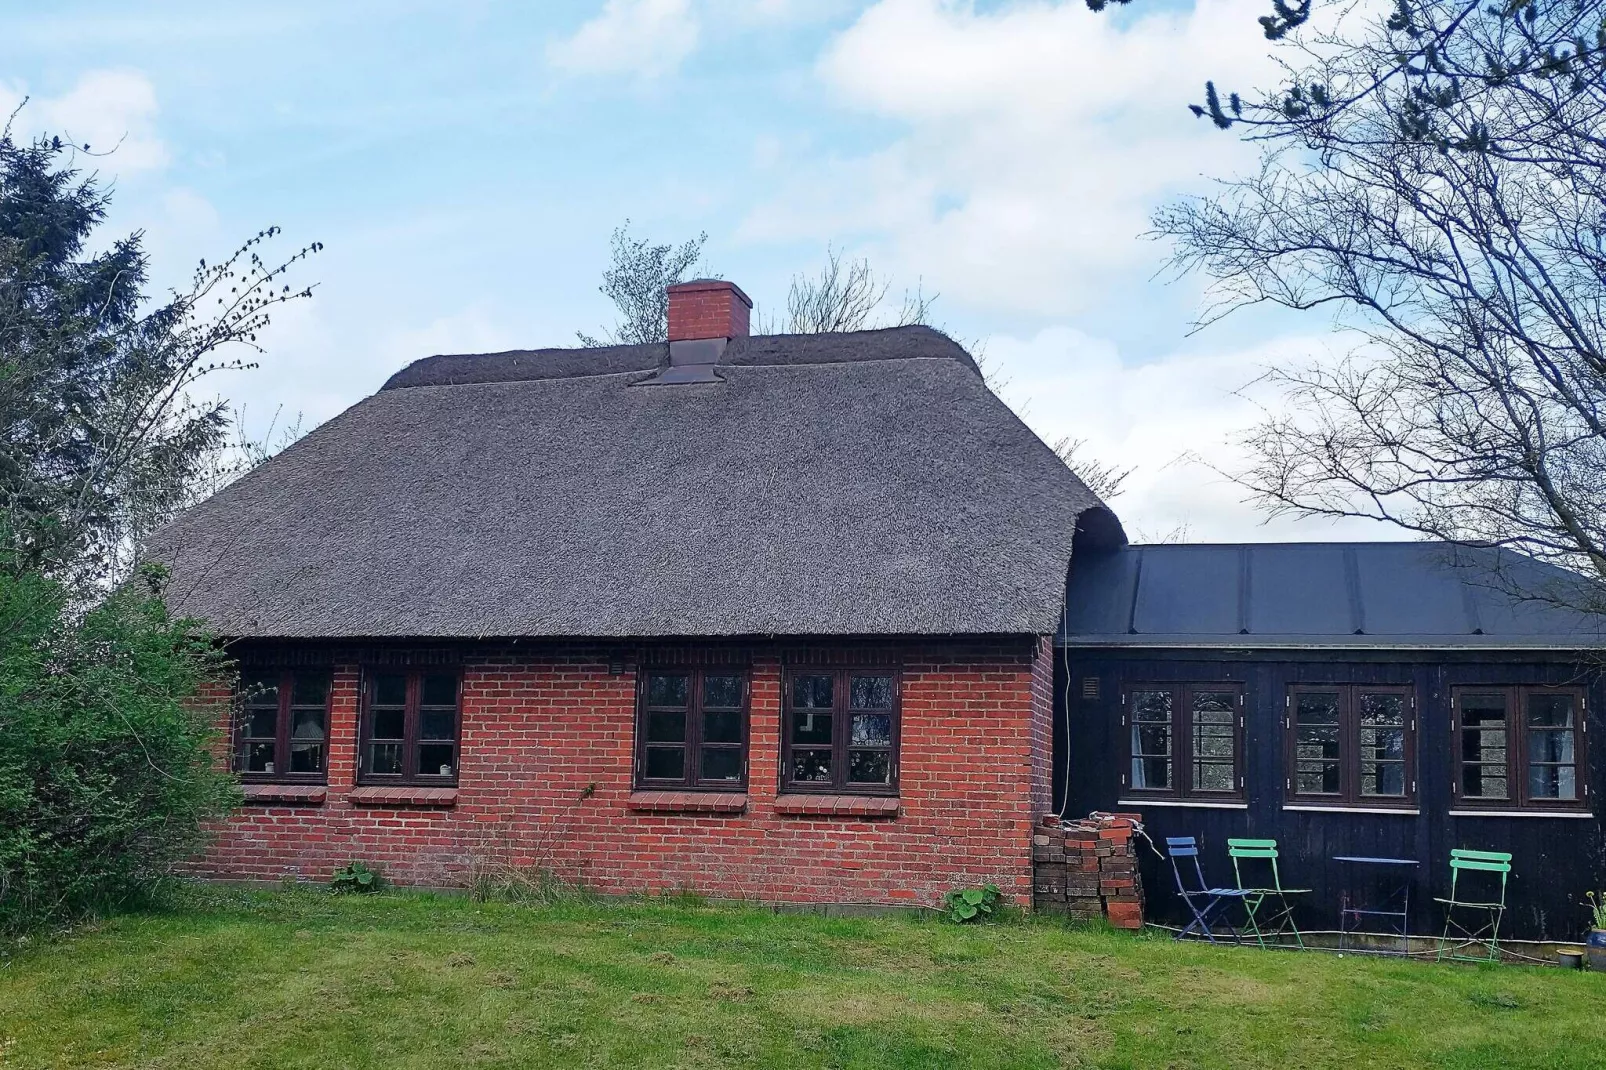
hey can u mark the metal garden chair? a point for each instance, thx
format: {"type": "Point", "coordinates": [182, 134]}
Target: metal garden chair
{"type": "Point", "coordinates": [1204, 902]}
{"type": "Point", "coordinates": [1478, 923]}
{"type": "Point", "coordinates": [1273, 921]}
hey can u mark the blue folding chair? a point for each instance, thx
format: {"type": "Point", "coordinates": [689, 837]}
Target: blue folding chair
{"type": "Point", "coordinates": [1204, 902]}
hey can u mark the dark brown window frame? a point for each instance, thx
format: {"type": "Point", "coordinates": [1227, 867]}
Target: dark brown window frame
{"type": "Point", "coordinates": [1518, 796]}
{"type": "Point", "coordinates": [693, 743]}
{"type": "Point", "coordinates": [1349, 755]}
{"type": "Point", "coordinates": [1181, 730]}
{"type": "Point", "coordinates": [409, 776]}
{"type": "Point", "coordinates": [283, 722]}
{"type": "Point", "coordinates": [840, 728]}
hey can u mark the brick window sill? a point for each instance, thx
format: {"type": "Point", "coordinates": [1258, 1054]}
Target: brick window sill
{"type": "Point", "coordinates": [433, 797]}
{"type": "Point", "coordinates": [837, 805]}
{"type": "Point", "coordinates": [688, 802]}
{"type": "Point", "coordinates": [307, 794]}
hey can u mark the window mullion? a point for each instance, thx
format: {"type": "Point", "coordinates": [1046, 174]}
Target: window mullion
{"type": "Point", "coordinates": [1517, 747]}
{"type": "Point", "coordinates": [694, 729]}
{"type": "Point", "coordinates": [281, 727]}
{"type": "Point", "coordinates": [415, 684]}
{"type": "Point", "coordinates": [1182, 740]}
{"type": "Point", "coordinates": [839, 732]}
{"type": "Point", "coordinates": [1349, 743]}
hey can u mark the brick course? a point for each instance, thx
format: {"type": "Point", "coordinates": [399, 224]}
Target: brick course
{"type": "Point", "coordinates": [541, 726]}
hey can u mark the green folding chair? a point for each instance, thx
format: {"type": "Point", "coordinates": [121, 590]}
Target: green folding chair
{"type": "Point", "coordinates": [1478, 922]}
{"type": "Point", "coordinates": [1270, 914]}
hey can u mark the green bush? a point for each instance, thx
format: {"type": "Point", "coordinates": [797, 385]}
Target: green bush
{"type": "Point", "coordinates": [972, 904]}
{"type": "Point", "coordinates": [354, 877]}
{"type": "Point", "coordinates": [107, 774]}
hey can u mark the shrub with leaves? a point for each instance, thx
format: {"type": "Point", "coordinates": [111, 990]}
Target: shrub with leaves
{"type": "Point", "coordinates": [354, 877]}
{"type": "Point", "coordinates": [107, 772]}
{"type": "Point", "coordinates": [972, 904]}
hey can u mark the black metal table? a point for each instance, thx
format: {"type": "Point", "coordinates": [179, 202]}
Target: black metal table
{"type": "Point", "coordinates": [1398, 874]}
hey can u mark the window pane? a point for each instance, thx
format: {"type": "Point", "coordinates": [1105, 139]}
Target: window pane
{"type": "Point", "coordinates": [439, 689]}
{"type": "Point", "coordinates": [1483, 746]}
{"type": "Point", "coordinates": [667, 690]}
{"type": "Point", "coordinates": [1317, 708]}
{"type": "Point", "coordinates": [872, 730]}
{"type": "Point", "coordinates": [1558, 782]}
{"type": "Point", "coordinates": [666, 763]}
{"type": "Point", "coordinates": [307, 725]}
{"type": "Point", "coordinates": [257, 758]}
{"type": "Point", "coordinates": [437, 724]}
{"type": "Point", "coordinates": [306, 757]}
{"type": "Point", "coordinates": [666, 727]}
{"type": "Point", "coordinates": [385, 758]}
{"type": "Point", "coordinates": [310, 689]}
{"type": "Point", "coordinates": [1382, 711]}
{"type": "Point", "coordinates": [870, 767]}
{"type": "Point", "coordinates": [870, 692]}
{"type": "Point", "coordinates": [1152, 773]}
{"type": "Point", "coordinates": [260, 690]}
{"type": "Point", "coordinates": [1550, 711]}
{"type": "Point", "coordinates": [1213, 776]}
{"type": "Point", "coordinates": [1382, 778]}
{"type": "Point", "coordinates": [1382, 744]}
{"type": "Point", "coordinates": [262, 723]}
{"type": "Point", "coordinates": [390, 689]}
{"type": "Point", "coordinates": [813, 692]}
{"type": "Point", "coordinates": [811, 728]}
{"type": "Point", "coordinates": [436, 759]}
{"type": "Point", "coordinates": [722, 726]}
{"type": "Point", "coordinates": [722, 763]}
{"type": "Point", "coordinates": [1151, 706]}
{"type": "Point", "coordinates": [1549, 746]}
{"type": "Point", "coordinates": [811, 766]}
{"type": "Point", "coordinates": [722, 692]}
{"type": "Point", "coordinates": [1317, 778]}
{"type": "Point", "coordinates": [1484, 782]}
{"type": "Point", "coordinates": [388, 724]}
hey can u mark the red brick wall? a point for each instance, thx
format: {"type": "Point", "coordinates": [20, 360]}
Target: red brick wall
{"type": "Point", "coordinates": [539, 727]}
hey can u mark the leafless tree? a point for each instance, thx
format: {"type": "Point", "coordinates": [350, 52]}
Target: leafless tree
{"type": "Point", "coordinates": [1433, 178]}
{"type": "Point", "coordinates": [638, 281]}
{"type": "Point", "coordinates": [845, 296]}
{"type": "Point", "coordinates": [1105, 480]}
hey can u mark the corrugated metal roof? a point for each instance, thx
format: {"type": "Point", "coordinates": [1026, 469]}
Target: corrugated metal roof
{"type": "Point", "coordinates": [1356, 595]}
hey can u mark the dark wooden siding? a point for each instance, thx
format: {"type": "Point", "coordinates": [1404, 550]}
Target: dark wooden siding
{"type": "Point", "coordinates": [1555, 859]}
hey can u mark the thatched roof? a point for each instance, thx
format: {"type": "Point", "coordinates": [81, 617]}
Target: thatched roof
{"type": "Point", "coordinates": [864, 483]}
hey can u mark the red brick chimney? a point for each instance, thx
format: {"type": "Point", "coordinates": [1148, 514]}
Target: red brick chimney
{"type": "Point", "coordinates": [707, 309]}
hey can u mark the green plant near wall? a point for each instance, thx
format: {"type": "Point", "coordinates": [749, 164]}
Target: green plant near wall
{"type": "Point", "coordinates": [1597, 909]}
{"type": "Point", "coordinates": [972, 904]}
{"type": "Point", "coordinates": [354, 877]}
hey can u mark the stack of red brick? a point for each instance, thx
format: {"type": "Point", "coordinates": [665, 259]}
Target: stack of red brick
{"type": "Point", "coordinates": [1088, 868]}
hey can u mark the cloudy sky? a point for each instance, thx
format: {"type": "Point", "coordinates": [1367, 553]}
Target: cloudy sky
{"type": "Point", "coordinates": [464, 162]}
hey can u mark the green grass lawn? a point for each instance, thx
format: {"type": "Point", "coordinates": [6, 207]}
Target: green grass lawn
{"type": "Point", "coordinates": [302, 979]}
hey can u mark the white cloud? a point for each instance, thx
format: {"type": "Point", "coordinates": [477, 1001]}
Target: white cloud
{"type": "Point", "coordinates": [1036, 140]}
{"type": "Point", "coordinates": [1176, 420]}
{"type": "Point", "coordinates": [641, 38]}
{"type": "Point", "coordinates": [109, 110]}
